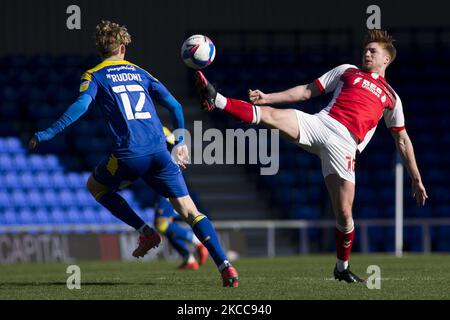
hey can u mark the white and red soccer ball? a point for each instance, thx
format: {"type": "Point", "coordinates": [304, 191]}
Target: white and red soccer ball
{"type": "Point", "coordinates": [198, 51]}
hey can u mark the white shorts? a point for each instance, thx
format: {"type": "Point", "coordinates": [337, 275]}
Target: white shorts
{"type": "Point", "coordinates": [326, 137]}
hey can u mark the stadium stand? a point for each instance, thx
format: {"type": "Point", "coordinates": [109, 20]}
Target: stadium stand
{"type": "Point", "coordinates": [36, 190]}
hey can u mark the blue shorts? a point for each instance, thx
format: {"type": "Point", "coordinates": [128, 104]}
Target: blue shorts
{"type": "Point", "coordinates": [164, 209]}
{"type": "Point", "coordinates": [157, 170]}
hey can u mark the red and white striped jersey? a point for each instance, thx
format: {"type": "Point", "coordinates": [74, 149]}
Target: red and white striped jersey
{"type": "Point", "coordinates": [359, 101]}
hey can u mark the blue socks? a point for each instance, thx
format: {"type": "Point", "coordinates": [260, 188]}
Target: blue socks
{"type": "Point", "coordinates": [120, 209]}
{"type": "Point", "coordinates": [178, 238]}
{"type": "Point", "coordinates": [180, 246]}
{"type": "Point", "coordinates": [205, 232]}
{"type": "Point", "coordinates": [174, 230]}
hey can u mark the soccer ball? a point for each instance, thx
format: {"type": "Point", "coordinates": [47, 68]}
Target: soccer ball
{"type": "Point", "coordinates": [198, 51]}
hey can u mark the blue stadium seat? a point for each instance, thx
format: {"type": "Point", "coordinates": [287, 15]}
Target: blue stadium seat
{"type": "Point", "coordinates": [37, 162]}
{"type": "Point", "coordinates": [90, 215]}
{"type": "Point", "coordinates": [66, 198]}
{"type": "Point", "coordinates": [50, 198]}
{"type": "Point", "coordinates": [5, 199]}
{"type": "Point", "coordinates": [20, 162]}
{"type": "Point", "coordinates": [43, 180]}
{"type": "Point", "coordinates": [18, 198]}
{"type": "Point", "coordinates": [105, 216]}
{"type": "Point", "coordinates": [305, 212]}
{"type": "Point", "coordinates": [11, 145]}
{"type": "Point", "coordinates": [6, 163]}
{"type": "Point", "coordinates": [75, 180]}
{"type": "Point", "coordinates": [52, 163]}
{"type": "Point", "coordinates": [10, 179]}
{"type": "Point", "coordinates": [34, 198]}
{"type": "Point", "coordinates": [57, 216]}
{"type": "Point", "coordinates": [84, 198]}
{"type": "Point", "coordinates": [10, 217]}
{"type": "Point", "coordinates": [73, 215]}
{"type": "Point", "coordinates": [58, 180]}
{"type": "Point", "coordinates": [26, 180]}
{"type": "Point", "coordinates": [26, 216]}
{"type": "Point", "coordinates": [42, 216]}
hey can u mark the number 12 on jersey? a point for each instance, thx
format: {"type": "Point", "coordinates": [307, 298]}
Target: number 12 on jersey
{"type": "Point", "coordinates": [124, 91]}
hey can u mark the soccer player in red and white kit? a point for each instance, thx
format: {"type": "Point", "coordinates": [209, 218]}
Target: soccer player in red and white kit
{"type": "Point", "coordinates": [337, 133]}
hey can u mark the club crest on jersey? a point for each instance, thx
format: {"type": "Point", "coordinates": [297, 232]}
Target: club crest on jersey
{"type": "Point", "coordinates": [357, 80]}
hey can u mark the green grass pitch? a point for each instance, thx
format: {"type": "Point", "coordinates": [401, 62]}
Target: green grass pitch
{"type": "Point", "coordinates": [281, 278]}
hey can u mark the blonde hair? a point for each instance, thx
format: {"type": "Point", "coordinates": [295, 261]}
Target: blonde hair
{"type": "Point", "coordinates": [382, 37]}
{"type": "Point", "coordinates": [109, 36]}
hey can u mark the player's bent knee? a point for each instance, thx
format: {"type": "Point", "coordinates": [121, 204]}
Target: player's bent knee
{"type": "Point", "coordinates": [96, 188]}
{"type": "Point", "coordinates": [267, 115]}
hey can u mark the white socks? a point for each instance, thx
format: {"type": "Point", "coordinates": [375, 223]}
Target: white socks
{"type": "Point", "coordinates": [341, 265]}
{"type": "Point", "coordinates": [224, 265]}
{"type": "Point", "coordinates": [345, 229]}
{"type": "Point", "coordinates": [195, 240]}
{"type": "Point", "coordinates": [220, 101]}
{"type": "Point", "coordinates": [256, 114]}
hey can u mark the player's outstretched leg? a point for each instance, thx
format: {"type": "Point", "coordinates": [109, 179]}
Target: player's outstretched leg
{"type": "Point", "coordinates": [118, 206]}
{"type": "Point", "coordinates": [211, 99]}
{"type": "Point", "coordinates": [284, 120]}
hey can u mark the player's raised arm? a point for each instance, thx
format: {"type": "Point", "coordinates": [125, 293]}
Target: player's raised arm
{"type": "Point", "coordinates": [324, 84]}
{"type": "Point", "coordinates": [406, 150]}
{"type": "Point", "coordinates": [75, 111]}
{"type": "Point", "coordinates": [292, 95]}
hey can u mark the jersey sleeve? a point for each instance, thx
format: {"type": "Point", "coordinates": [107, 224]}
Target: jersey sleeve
{"type": "Point", "coordinates": [394, 118]}
{"type": "Point", "coordinates": [328, 81]}
{"type": "Point", "coordinates": [157, 90]}
{"type": "Point", "coordinates": [88, 85]}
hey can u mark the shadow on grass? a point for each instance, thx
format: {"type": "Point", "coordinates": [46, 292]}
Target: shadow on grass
{"type": "Point", "coordinates": [63, 283]}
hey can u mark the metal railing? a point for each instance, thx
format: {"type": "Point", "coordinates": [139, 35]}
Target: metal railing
{"type": "Point", "coordinates": [303, 225]}
{"type": "Point", "coordinates": [271, 226]}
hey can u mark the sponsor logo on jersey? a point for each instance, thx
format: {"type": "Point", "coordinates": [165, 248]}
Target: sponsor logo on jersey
{"type": "Point", "coordinates": [372, 87]}
{"type": "Point", "coordinates": [132, 68]}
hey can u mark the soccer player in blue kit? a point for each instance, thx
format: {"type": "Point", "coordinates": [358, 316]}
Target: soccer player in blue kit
{"type": "Point", "coordinates": [181, 238]}
{"type": "Point", "coordinates": [125, 94]}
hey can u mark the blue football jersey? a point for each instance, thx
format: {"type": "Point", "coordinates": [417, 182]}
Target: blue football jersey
{"type": "Point", "coordinates": [125, 94]}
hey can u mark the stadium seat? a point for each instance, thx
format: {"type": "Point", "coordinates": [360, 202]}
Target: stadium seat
{"type": "Point", "coordinates": [25, 180]}
{"type": "Point", "coordinates": [10, 217]}
{"type": "Point", "coordinates": [66, 198]}
{"type": "Point", "coordinates": [34, 199]}
{"type": "Point", "coordinates": [18, 198]}
{"type": "Point", "coordinates": [11, 145]}
{"type": "Point", "coordinates": [20, 162]}
{"type": "Point", "coordinates": [6, 163]}
{"type": "Point", "coordinates": [37, 163]}
{"type": "Point", "coordinates": [26, 216]}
